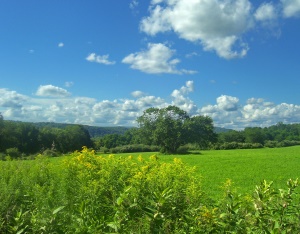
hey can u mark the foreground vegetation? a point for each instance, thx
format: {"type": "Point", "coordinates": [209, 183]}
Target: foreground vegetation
{"type": "Point", "coordinates": [88, 193]}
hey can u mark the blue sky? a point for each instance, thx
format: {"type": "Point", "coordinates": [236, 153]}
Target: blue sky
{"type": "Point", "coordinates": [104, 62]}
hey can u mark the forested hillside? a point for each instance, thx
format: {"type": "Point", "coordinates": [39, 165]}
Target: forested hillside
{"type": "Point", "coordinates": [94, 131]}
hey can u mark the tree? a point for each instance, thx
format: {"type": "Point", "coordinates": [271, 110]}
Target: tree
{"type": "Point", "coordinates": [200, 131]}
{"type": "Point", "coordinates": [172, 127]}
{"type": "Point", "coordinates": [254, 135]}
{"type": "Point", "coordinates": [232, 136]}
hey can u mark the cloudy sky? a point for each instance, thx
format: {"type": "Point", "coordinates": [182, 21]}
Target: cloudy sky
{"type": "Point", "coordinates": [103, 62]}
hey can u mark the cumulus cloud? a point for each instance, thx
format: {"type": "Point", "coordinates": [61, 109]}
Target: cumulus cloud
{"type": "Point", "coordinates": [291, 8]}
{"type": "Point", "coordinates": [51, 91]}
{"type": "Point", "coordinates": [138, 94]}
{"type": "Point", "coordinates": [217, 25]}
{"type": "Point", "coordinates": [227, 111]}
{"type": "Point", "coordinates": [11, 99]}
{"type": "Point", "coordinates": [266, 12]}
{"type": "Point", "coordinates": [227, 103]}
{"type": "Point", "coordinates": [181, 99]}
{"type": "Point", "coordinates": [157, 59]}
{"type": "Point", "coordinates": [102, 59]}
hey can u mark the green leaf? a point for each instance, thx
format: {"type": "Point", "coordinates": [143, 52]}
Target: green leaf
{"type": "Point", "coordinates": [58, 209]}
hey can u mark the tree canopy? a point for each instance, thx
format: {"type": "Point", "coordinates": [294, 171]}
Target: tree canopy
{"type": "Point", "coordinates": [172, 127]}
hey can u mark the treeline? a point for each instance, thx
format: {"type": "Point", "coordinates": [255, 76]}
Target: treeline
{"type": "Point", "coordinates": [20, 138]}
{"type": "Point", "coordinates": [169, 130]}
{"type": "Point", "coordinates": [279, 135]}
{"type": "Point", "coordinates": [94, 131]}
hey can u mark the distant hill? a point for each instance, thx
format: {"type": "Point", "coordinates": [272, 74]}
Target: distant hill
{"type": "Point", "coordinates": [94, 131]}
{"type": "Point", "coordinates": [219, 129]}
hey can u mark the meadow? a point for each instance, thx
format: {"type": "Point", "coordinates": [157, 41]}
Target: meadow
{"type": "Point", "coordinates": [246, 168]}
{"type": "Point", "coordinates": [202, 192]}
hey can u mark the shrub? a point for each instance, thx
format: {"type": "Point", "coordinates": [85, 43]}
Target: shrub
{"type": "Point", "coordinates": [134, 148]}
{"type": "Point", "coordinates": [13, 152]}
{"type": "Point", "coordinates": [2, 156]}
{"type": "Point", "coordinates": [105, 150]}
{"type": "Point", "coordinates": [50, 153]}
{"type": "Point", "coordinates": [271, 144]}
{"type": "Point", "coordinates": [124, 195]}
{"type": "Point", "coordinates": [182, 149]}
{"type": "Point", "coordinates": [237, 145]}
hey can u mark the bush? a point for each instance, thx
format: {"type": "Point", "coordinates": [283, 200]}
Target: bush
{"type": "Point", "coordinates": [237, 145]}
{"type": "Point", "coordinates": [50, 153]}
{"type": "Point", "coordinates": [287, 143]}
{"type": "Point", "coordinates": [134, 148]}
{"type": "Point", "coordinates": [124, 195]}
{"type": "Point", "coordinates": [182, 149]}
{"type": "Point", "coordinates": [13, 153]}
{"type": "Point", "coordinates": [105, 150]}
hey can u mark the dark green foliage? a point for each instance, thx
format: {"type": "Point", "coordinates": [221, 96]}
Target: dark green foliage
{"type": "Point", "coordinates": [184, 149]}
{"type": "Point", "coordinates": [13, 153]}
{"type": "Point", "coordinates": [279, 135]}
{"type": "Point", "coordinates": [171, 128]}
{"type": "Point", "coordinates": [237, 145]}
{"type": "Point", "coordinates": [28, 139]}
{"type": "Point", "coordinates": [94, 131]}
{"type": "Point", "coordinates": [135, 148]}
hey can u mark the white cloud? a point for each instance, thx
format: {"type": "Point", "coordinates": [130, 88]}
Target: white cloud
{"type": "Point", "coordinates": [291, 8]}
{"type": "Point", "coordinates": [138, 94]}
{"type": "Point", "coordinates": [157, 59]}
{"type": "Point", "coordinates": [256, 112]}
{"type": "Point", "coordinates": [51, 91]}
{"type": "Point", "coordinates": [11, 99]}
{"type": "Point", "coordinates": [266, 11]}
{"type": "Point", "coordinates": [217, 25]}
{"type": "Point", "coordinates": [181, 99]}
{"type": "Point", "coordinates": [102, 59]}
{"type": "Point", "coordinates": [61, 44]}
{"type": "Point", "coordinates": [227, 111]}
{"type": "Point", "coordinates": [227, 103]}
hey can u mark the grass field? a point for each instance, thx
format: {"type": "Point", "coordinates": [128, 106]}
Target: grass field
{"type": "Point", "coordinates": [246, 167]}
{"type": "Point", "coordinates": [86, 193]}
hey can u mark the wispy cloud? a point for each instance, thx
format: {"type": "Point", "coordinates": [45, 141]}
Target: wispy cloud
{"type": "Point", "coordinates": [133, 4]}
{"type": "Point", "coordinates": [69, 84]}
{"type": "Point", "coordinates": [61, 44]}
{"type": "Point", "coordinates": [102, 59]}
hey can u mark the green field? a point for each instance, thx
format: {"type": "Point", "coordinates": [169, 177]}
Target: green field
{"type": "Point", "coordinates": [88, 193]}
{"type": "Point", "coordinates": [246, 167]}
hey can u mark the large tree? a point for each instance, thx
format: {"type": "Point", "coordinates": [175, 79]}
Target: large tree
{"type": "Point", "coordinates": [172, 127]}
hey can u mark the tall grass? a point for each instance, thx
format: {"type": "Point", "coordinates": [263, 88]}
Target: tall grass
{"type": "Point", "coordinates": [88, 193]}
